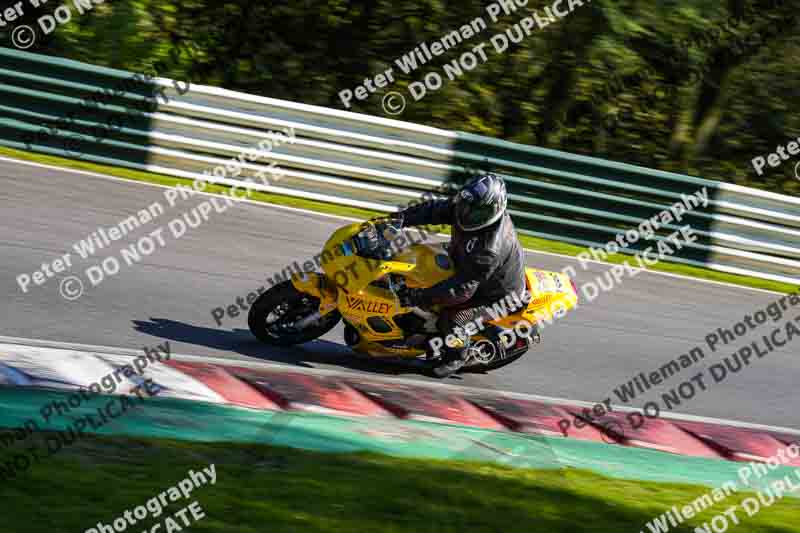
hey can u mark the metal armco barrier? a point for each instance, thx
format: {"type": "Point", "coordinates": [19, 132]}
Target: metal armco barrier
{"type": "Point", "coordinates": [364, 161]}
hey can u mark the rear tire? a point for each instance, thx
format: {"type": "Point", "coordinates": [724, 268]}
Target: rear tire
{"type": "Point", "coordinates": [496, 363]}
{"type": "Point", "coordinates": [284, 304]}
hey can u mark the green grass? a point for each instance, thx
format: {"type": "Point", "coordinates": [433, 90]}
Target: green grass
{"type": "Point", "coordinates": [262, 488]}
{"type": "Point", "coordinates": [529, 242]}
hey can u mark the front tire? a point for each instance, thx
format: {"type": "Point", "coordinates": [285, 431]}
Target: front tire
{"type": "Point", "coordinates": [272, 317]}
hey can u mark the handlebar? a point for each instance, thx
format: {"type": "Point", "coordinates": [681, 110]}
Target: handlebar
{"type": "Point", "coordinates": [377, 236]}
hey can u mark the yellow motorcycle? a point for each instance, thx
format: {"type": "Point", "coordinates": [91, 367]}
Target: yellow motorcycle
{"type": "Point", "coordinates": [364, 265]}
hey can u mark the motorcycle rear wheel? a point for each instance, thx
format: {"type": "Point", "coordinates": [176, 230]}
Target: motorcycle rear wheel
{"type": "Point", "coordinates": [272, 316]}
{"type": "Point", "coordinates": [497, 362]}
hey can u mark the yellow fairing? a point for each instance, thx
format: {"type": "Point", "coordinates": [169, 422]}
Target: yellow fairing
{"type": "Point", "coordinates": [354, 273]}
{"type": "Point", "coordinates": [552, 294]}
{"type": "Point", "coordinates": [316, 285]}
{"type": "Point", "coordinates": [371, 308]}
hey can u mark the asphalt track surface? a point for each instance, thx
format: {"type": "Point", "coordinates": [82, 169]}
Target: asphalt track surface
{"type": "Point", "coordinates": [638, 327]}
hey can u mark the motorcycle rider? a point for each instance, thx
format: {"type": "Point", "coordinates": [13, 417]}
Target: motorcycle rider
{"type": "Point", "coordinates": [488, 258]}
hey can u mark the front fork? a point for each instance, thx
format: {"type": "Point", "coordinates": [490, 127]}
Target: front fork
{"type": "Point", "coordinates": [318, 286]}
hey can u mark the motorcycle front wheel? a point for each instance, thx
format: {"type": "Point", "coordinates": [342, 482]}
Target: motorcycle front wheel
{"type": "Point", "coordinates": [284, 316]}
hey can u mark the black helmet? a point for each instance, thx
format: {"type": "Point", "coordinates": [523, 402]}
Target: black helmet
{"type": "Point", "coordinates": [481, 202]}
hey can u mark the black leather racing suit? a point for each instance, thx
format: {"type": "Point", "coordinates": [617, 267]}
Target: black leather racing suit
{"type": "Point", "coordinates": [489, 263]}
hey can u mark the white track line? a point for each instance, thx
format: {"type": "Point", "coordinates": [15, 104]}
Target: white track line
{"type": "Point", "coordinates": [351, 219]}
{"type": "Point", "coordinates": [457, 389]}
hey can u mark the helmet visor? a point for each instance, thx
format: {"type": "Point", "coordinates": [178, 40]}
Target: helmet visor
{"type": "Point", "coordinates": [472, 217]}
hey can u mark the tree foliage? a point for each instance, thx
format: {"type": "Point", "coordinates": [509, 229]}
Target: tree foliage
{"type": "Point", "coordinates": [696, 86]}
